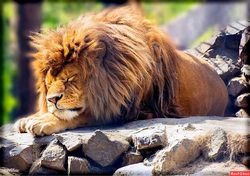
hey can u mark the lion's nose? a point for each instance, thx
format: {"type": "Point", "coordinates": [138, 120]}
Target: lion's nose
{"type": "Point", "coordinates": [54, 99]}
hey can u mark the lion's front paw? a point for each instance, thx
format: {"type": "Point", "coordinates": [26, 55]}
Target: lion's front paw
{"type": "Point", "coordinates": [46, 124]}
{"type": "Point", "coordinates": [41, 126]}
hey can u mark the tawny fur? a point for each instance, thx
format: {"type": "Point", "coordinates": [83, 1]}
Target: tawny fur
{"type": "Point", "coordinates": [126, 68]}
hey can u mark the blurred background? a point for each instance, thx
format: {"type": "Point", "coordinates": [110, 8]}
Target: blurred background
{"type": "Point", "coordinates": [187, 22]}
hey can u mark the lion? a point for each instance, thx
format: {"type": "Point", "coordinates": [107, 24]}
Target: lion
{"type": "Point", "coordinates": [113, 67]}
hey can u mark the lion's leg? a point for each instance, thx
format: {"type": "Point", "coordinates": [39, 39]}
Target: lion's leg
{"type": "Point", "coordinates": [48, 124]}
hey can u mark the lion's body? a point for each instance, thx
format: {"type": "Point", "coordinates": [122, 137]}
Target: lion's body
{"type": "Point", "coordinates": [202, 94]}
{"type": "Point", "coordinates": [114, 67]}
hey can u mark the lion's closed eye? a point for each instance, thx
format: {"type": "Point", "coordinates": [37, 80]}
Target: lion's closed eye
{"type": "Point", "coordinates": [71, 78]}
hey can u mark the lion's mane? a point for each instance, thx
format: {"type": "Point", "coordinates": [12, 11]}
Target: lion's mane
{"type": "Point", "coordinates": [134, 76]}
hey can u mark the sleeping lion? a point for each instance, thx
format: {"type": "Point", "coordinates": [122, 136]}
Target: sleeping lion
{"type": "Point", "coordinates": [114, 67]}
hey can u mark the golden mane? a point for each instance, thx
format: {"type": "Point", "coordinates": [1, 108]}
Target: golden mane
{"type": "Point", "coordinates": [136, 75]}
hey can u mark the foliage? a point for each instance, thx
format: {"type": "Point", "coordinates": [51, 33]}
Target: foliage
{"type": "Point", "coordinates": [60, 13]}
{"type": "Point", "coordinates": [9, 66]}
{"type": "Point", "coordinates": [161, 12]}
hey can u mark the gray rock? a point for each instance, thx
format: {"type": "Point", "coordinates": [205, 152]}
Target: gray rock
{"type": "Point", "coordinates": [222, 50]}
{"type": "Point", "coordinates": [243, 100]}
{"type": "Point", "coordinates": [54, 157]}
{"type": "Point", "coordinates": [244, 39]}
{"type": "Point", "coordinates": [131, 157]}
{"type": "Point", "coordinates": [188, 127]}
{"type": "Point", "coordinates": [150, 137]}
{"type": "Point", "coordinates": [218, 144]}
{"type": "Point", "coordinates": [177, 154]}
{"type": "Point", "coordinates": [9, 172]}
{"type": "Point", "coordinates": [242, 113]}
{"type": "Point", "coordinates": [236, 27]}
{"type": "Point", "coordinates": [38, 169]}
{"type": "Point", "coordinates": [212, 172]}
{"type": "Point", "coordinates": [70, 141]}
{"type": "Point", "coordinates": [104, 149]}
{"type": "Point", "coordinates": [246, 145]}
{"type": "Point", "coordinates": [246, 161]}
{"type": "Point", "coordinates": [225, 66]}
{"type": "Point", "coordinates": [138, 169]}
{"type": "Point", "coordinates": [236, 86]}
{"type": "Point", "coordinates": [20, 157]}
{"type": "Point", "coordinates": [78, 166]}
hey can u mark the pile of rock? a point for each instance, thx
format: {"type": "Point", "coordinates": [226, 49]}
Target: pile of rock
{"type": "Point", "coordinates": [229, 53]}
{"type": "Point", "coordinates": [157, 146]}
{"type": "Point", "coordinates": [238, 89]}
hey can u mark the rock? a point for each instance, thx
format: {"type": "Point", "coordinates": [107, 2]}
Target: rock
{"type": "Point", "coordinates": [54, 157]}
{"type": "Point", "coordinates": [188, 127]}
{"type": "Point", "coordinates": [8, 132]}
{"type": "Point", "coordinates": [20, 157]}
{"type": "Point", "coordinates": [213, 172]}
{"type": "Point", "coordinates": [70, 141]}
{"type": "Point", "coordinates": [176, 155]}
{"type": "Point", "coordinates": [225, 66]}
{"type": "Point", "coordinates": [233, 41]}
{"type": "Point", "coordinates": [138, 169]}
{"type": "Point", "coordinates": [236, 86]}
{"type": "Point", "coordinates": [242, 113]}
{"type": "Point", "coordinates": [131, 157]}
{"type": "Point", "coordinates": [246, 145]}
{"type": "Point", "coordinates": [38, 169]}
{"type": "Point", "coordinates": [104, 150]}
{"type": "Point", "coordinates": [243, 100]}
{"type": "Point", "coordinates": [218, 144]}
{"type": "Point", "coordinates": [222, 50]}
{"type": "Point", "coordinates": [245, 69]}
{"type": "Point", "coordinates": [236, 27]}
{"type": "Point", "coordinates": [246, 161]}
{"type": "Point", "coordinates": [9, 172]}
{"type": "Point", "coordinates": [150, 137]}
{"type": "Point", "coordinates": [78, 166]}
{"type": "Point", "coordinates": [244, 50]}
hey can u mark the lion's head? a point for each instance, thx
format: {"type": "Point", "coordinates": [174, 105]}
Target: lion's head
{"type": "Point", "coordinates": [106, 64]}
{"type": "Point", "coordinates": [65, 92]}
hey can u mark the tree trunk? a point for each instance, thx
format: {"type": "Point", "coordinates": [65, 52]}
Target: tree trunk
{"type": "Point", "coordinates": [29, 19]}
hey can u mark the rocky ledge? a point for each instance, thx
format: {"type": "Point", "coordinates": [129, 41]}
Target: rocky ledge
{"type": "Point", "coordinates": [194, 145]}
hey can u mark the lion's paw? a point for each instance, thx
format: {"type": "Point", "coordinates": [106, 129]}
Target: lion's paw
{"type": "Point", "coordinates": [40, 125]}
